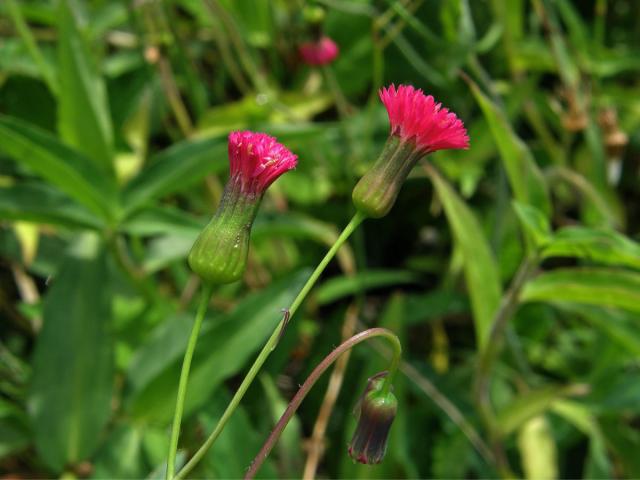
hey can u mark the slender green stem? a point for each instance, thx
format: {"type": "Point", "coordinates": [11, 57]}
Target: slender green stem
{"type": "Point", "coordinates": [269, 346]}
{"type": "Point", "coordinates": [207, 290]}
{"type": "Point", "coordinates": [313, 378]}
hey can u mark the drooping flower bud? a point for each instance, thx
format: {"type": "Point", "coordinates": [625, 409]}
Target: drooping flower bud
{"type": "Point", "coordinates": [256, 160]}
{"type": "Point", "coordinates": [419, 126]}
{"type": "Point", "coordinates": [319, 52]}
{"type": "Point", "coordinates": [377, 411]}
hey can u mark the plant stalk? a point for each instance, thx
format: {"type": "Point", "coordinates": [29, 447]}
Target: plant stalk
{"type": "Point", "coordinates": [270, 346]}
{"type": "Point", "coordinates": [313, 378]}
{"type": "Point", "coordinates": [207, 290]}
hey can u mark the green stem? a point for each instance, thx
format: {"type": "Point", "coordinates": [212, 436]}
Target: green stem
{"type": "Point", "coordinates": [269, 346]}
{"type": "Point", "coordinates": [207, 290]}
{"type": "Point", "coordinates": [313, 378]}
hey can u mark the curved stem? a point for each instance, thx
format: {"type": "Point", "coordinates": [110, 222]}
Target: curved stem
{"type": "Point", "coordinates": [269, 346]}
{"type": "Point", "coordinates": [313, 378]}
{"type": "Point", "coordinates": [207, 290]}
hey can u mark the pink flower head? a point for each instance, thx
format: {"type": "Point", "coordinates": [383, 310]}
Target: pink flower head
{"type": "Point", "coordinates": [320, 52]}
{"type": "Point", "coordinates": [256, 160]}
{"type": "Point", "coordinates": [416, 117]}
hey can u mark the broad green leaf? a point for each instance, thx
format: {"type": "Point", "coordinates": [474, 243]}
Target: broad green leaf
{"type": "Point", "coordinates": [525, 178]}
{"type": "Point", "coordinates": [38, 202]}
{"type": "Point", "coordinates": [530, 404]}
{"type": "Point", "coordinates": [598, 245]}
{"type": "Point", "coordinates": [70, 395]}
{"type": "Point", "coordinates": [176, 168]}
{"type": "Point", "coordinates": [65, 168]}
{"type": "Point", "coordinates": [225, 345]}
{"type": "Point", "coordinates": [605, 287]}
{"type": "Point", "coordinates": [83, 111]}
{"type": "Point", "coordinates": [538, 449]}
{"type": "Point", "coordinates": [340, 287]}
{"type": "Point", "coordinates": [480, 268]}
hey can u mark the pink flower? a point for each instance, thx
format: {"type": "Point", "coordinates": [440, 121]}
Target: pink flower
{"type": "Point", "coordinates": [416, 117]}
{"type": "Point", "coordinates": [256, 160]}
{"type": "Point", "coordinates": [320, 52]}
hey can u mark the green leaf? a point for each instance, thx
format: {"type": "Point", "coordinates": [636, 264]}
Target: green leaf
{"type": "Point", "coordinates": [535, 224]}
{"type": "Point", "coordinates": [592, 286]}
{"type": "Point", "coordinates": [619, 326]}
{"type": "Point", "coordinates": [70, 396]}
{"type": "Point", "coordinates": [174, 169]}
{"type": "Point", "coordinates": [538, 449]}
{"type": "Point", "coordinates": [525, 177]}
{"type": "Point", "coordinates": [599, 245]}
{"type": "Point", "coordinates": [14, 431]}
{"type": "Point", "coordinates": [224, 347]}
{"type": "Point", "coordinates": [38, 202]}
{"type": "Point", "coordinates": [584, 420]}
{"type": "Point", "coordinates": [530, 404]}
{"type": "Point", "coordinates": [340, 287]}
{"type": "Point", "coordinates": [480, 268]}
{"type": "Point", "coordinates": [83, 112]}
{"type": "Point", "coordinates": [65, 168]}
{"type": "Point", "coordinates": [237, 445]}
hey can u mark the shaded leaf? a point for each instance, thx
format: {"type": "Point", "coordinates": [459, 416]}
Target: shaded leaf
{"type": "Point", "coordinates": [83, 112]}
{"type": "Point", "coordinates": [593, 286]}
{"type": "Point", "coordinates": [174, 169]}
{"type": "Point", "coordinates": [70, 395]}
{"type": "Point", "coordinates": [65, 168]}
{"type": "Point", "coordinates": [37, 202]}
{"type": "Point", "coordinates": [340, 287]}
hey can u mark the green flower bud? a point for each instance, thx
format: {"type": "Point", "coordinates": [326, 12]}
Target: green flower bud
{"type": "Point", "coordinates": [256, 161]}
{"type": "Point", "coordinates": [377, 190]}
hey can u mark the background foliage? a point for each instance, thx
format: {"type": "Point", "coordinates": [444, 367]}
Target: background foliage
{"type": "Point", "coordinates": [113, 127]}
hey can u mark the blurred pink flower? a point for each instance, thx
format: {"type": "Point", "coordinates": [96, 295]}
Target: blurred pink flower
{"type": "Point", "coordinates": [320, 52]}
{"type": "Point", "coordinates": [417, 118]}
{"type": "Point", "coordinates": [256, 160]}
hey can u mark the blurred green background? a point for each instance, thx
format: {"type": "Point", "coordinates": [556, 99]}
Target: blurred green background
{"type": "Point", "coordinates": [113, 125]}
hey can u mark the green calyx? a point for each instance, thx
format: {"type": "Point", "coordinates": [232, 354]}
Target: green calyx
{"type": "Point", "coordinates": [377, 190]}
{"type": "Point", "coordinates": [219, 254]}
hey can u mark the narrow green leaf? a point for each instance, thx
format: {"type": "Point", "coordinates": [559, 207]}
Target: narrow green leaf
{"type": "Point", "coordinates": [531, 404]}
{"type": "Point", "coordinates": [534, 222]}
{"type": "Point", "coordinates": [538, 449]}
{"type": "Point", "coordinates": [38, 202]}
{"type": "Point", "coordinates": [174, 169]}
{"type": "Point", "coordinates": [525, 177]}
{"type": "Point", "coordinates": [598, 245]}
{"type": "Point", "coordinates": [340, 287]}
{"type": "Point", "coordinates": [592, 286]}
{"type": "Point", "coordinates": [83, 114]}
{"type": "Point", "coordinates": [65, 168]}
{"type": "Point", "coordinates": [480, 268]}
{"type": "Point", "coordinates": [70, 396]}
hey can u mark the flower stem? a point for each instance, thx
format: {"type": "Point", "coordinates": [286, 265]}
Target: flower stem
{"type": "Point", "coordinates": [269, 346]}
{"type": "Point", "coordinates": [207, 290]}
{"type": "Point", "coordinates": [313, 378]}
